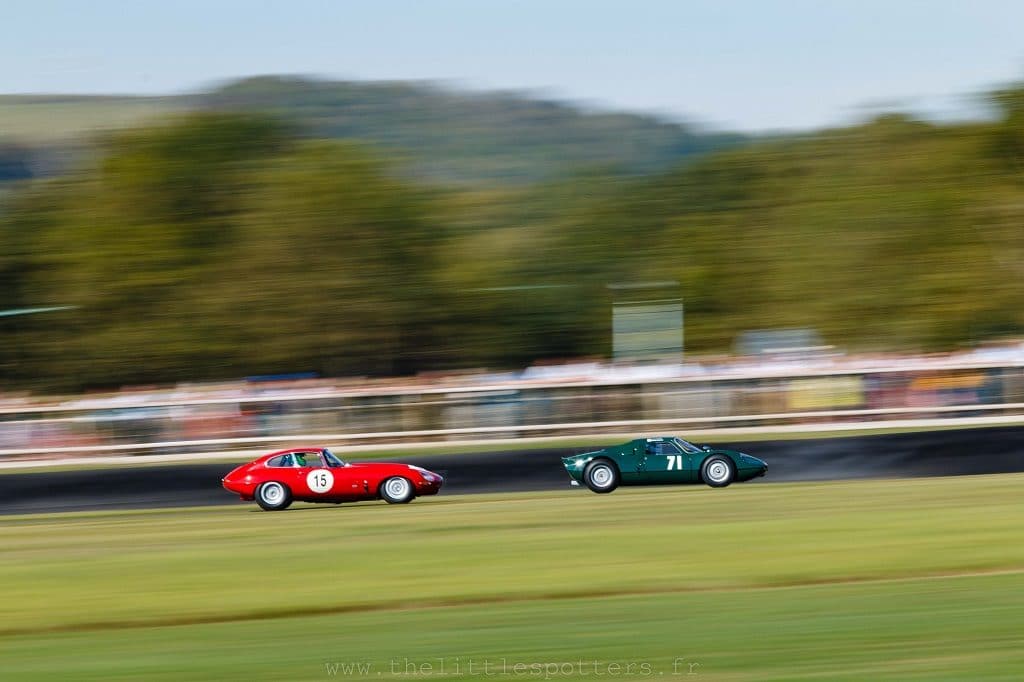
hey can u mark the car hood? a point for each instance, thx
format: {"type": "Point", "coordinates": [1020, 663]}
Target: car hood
{"type": "Point", "coordinates": [740, 457]}
{"type": "Point", "coordinates": [583, 455]}
{"type": "Point", "coordinates": [387, 466]}
{"type": "Point", "coordinates": [377, 465]}
{"type": "Point", "coordinates": [723, 451]}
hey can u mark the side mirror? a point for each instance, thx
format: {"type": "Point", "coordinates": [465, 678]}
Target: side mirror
{"type": "Point", "coordinates": [705, 447]}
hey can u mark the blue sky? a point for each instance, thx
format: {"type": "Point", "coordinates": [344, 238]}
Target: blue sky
{"type": "Point", "coordinates": [787, 64]}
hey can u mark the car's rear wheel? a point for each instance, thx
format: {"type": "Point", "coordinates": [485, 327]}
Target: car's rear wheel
{"type": "Point", "coordinates": [718, 471]}
{"type": "Point", "coordinates": [396, 490]}
{"type": "Point", "coordinates": [601, 476]}
{"type": "Point", "coordinates": [273, 496]}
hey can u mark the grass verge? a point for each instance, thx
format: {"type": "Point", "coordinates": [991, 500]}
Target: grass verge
{"type": "Point", "coordinates": [920, 578]}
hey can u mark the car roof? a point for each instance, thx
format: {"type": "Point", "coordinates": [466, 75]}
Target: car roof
{"type": "Point", "coordinates": [301, 448]}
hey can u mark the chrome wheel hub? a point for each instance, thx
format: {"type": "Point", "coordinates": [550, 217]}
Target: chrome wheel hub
{"type": "Point", "coordinates": [273, 493]}
{"type": "Point", "coordinates": [398, 487]}
{"type": "Point", "coordinates": [601, 476]}
{"type": "Point", "coordinates": [718, 471]}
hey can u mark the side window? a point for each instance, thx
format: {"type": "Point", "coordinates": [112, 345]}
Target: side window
{"type": "Point", "coordinates": [297, 459]}
{"type": "Point", "coordinates": [312, 459]}
{"type": "Point", "coordinates": [666, 448]}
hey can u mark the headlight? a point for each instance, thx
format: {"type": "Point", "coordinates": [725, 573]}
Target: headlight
{"type": "Point", "coordinates": [426, 475]}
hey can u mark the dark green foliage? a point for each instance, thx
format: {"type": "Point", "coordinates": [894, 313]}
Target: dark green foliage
{"type": "Point", "coordinates": [216, 246]}
{"type": "Point", "coordinates": [1007, 140]}
{"type": "Point", "coordinates": [895, 234]}
{"type": "Point", "coordinates": [219, 245]}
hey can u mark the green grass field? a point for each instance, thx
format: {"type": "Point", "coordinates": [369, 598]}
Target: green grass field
{"type": "Point", "coordinates": [901, 579]}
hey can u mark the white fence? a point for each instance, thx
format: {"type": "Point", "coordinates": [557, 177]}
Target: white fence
{"type": "Point", "coordinates": [837, 399]}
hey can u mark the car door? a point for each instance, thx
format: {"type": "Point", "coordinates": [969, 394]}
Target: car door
{"type": "Point", "coordinates": [350, 481]}
{"type": "Point", "coordinates": [692, 458]}
{"type": "Point", "coordinates": [320, 480]}
{"type": "Point", "coordinates": [663, 462]}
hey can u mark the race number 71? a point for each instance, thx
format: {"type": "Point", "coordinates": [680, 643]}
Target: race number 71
{"type": "Point", "coordinates": [675, 462]}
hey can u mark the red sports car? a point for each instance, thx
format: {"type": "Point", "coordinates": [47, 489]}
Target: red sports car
{"type": "Point", "coordinates": [315, 474]}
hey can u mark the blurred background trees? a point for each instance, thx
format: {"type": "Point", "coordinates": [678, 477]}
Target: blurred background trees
{"type": "Point", "coordinates": [284, 226]}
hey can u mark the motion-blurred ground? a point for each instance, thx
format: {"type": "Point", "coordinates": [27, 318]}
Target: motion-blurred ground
{"type": "Point", "coordinates": [915, 579]}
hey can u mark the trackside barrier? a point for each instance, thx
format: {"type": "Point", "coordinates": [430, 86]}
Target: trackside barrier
{"type": "Point", "coordinates": [749, 424]}
{"type": "Point", "coordinates": [168, 424]}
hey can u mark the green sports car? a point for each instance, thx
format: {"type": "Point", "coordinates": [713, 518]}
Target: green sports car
{"type": "Point", "coordinates": [667, 459]}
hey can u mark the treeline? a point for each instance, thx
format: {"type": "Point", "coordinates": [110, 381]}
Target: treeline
{"type": "Point", "coordinates": [219, 245]}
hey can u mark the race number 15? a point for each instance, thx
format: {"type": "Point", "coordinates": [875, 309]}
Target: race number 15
{"type": "Point", "coordinates": [320, 480]}
{"type": "Point", "coordinates": [675, 462]}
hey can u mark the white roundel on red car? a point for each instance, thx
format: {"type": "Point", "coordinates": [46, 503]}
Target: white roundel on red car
{"type": "Point", "coordinates": [320, 480]}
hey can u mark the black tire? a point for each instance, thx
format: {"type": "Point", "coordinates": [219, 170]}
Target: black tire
{"type": "Point", "coordinates": [718, 471]}
{"type": "Point", "coordinates": [601, 476]}
{"type": "Point", "coordinates": [273, 496]}
{"type": "Point", "coordinates": [396, 490]}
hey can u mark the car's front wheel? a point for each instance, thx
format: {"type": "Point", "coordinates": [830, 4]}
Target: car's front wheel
{"type": "Point", "coordinates": [396, 490]}
{"type": "Point", "coordinates": [601, 476]}
{"type": "Point", "coordinates": [273, 496]}
{"type": "Point", "coordinates": [718, 471]}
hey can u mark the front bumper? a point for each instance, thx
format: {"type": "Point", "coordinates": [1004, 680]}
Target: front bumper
{"type": "Point", "coordinates": [429, 487]}
{"type": "Point", "coordinates": [750, 473]}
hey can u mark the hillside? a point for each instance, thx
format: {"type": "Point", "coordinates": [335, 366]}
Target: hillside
{"type": "Point", "coordinates": [452, 135]}
{"type": "Point", "coordinates": [46, 119]}
{"type": "Point", "coordinates": [432, 132]}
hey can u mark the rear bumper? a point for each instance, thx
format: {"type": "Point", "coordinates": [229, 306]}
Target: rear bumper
{"type": "Point", "coordinates": [239, 488]}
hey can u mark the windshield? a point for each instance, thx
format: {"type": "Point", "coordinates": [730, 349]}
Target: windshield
{"type": "Point", "coordinates": [332, 459]}
{"type": "Point", "coordinates": [687, 446]}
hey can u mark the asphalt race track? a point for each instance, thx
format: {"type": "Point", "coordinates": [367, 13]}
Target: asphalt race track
{"type": "Point", "coordinates": [937, 453]}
